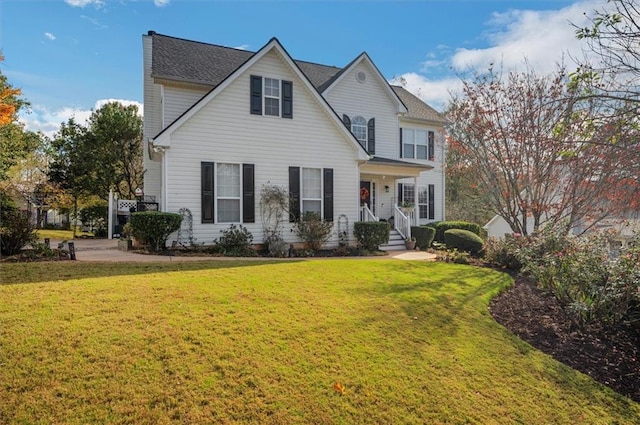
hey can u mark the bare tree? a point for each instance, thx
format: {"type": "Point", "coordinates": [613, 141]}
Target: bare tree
{"type": "Point", "coordinates": [527, 138]}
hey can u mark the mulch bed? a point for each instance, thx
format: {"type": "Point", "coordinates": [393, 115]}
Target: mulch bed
{"type": "Point", "coordinates": [610, 355]}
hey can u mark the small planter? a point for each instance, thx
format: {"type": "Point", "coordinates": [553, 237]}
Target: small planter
{"type": "Point", "coordinates": [411, 245]}
{"type": "Point", "coordinates": [125, 244]}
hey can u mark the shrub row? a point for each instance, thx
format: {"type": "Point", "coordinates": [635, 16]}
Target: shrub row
{"type": "Point", "coordinates": [579, 271]}
{"type": "Point", "coordinates": [442, 226]}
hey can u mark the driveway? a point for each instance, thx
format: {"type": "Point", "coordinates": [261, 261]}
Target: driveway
{"type": "Point", "coordinates": [106, 250]}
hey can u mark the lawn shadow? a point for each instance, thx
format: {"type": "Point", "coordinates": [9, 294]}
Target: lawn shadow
{"type": "Point", "coordinates": [34, 272]}
{"type": "Point", "coordinates": [443, 294]}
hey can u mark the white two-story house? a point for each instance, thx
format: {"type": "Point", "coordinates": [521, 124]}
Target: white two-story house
{"type": "Point", "coordinates": [220, 123]}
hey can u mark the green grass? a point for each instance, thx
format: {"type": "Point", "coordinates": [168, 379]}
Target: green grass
{"type": "Point", "coordinates": [220, 342]}
{"type": "Point", "coordinates": [59, 234]}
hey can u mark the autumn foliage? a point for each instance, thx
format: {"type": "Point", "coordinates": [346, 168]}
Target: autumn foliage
{"type": "Point", "coordinates": [540, 151]}
{"type": "Point", "coordinates": [7, 107]}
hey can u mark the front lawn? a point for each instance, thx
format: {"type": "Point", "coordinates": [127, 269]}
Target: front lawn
{"type": "Point", "coordinates": [225, 342]}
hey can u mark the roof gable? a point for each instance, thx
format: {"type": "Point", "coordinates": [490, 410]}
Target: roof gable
{"type": "Point", "coordinates": [163, 139]}
{"type": "Point", "coordinates": [364, 57]}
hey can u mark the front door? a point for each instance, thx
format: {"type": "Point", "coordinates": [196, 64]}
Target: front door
{"type": "Point", "coordinates": [368, 194]}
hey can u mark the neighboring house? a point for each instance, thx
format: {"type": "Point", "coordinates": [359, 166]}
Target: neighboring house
{"type": "Point", "coordinates": [220, 123]}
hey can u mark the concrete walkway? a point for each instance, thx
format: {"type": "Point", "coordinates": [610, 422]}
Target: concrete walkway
{"type": "Point", "coordinates": [106, 250]}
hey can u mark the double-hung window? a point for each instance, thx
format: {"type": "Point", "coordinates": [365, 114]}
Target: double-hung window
{"type": "Point", "coordinates": [312, 191]}
{"type": "Point", "coordinates": [417, 144]}
{"type": "Point", "coordinates": [426, 198]}
{"type": "Point", "coordinates": [271, 96]}
{"type": "Point", "coordinates": [228, 193]}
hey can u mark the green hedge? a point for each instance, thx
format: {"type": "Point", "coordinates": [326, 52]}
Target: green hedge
{"type": "Point", "coordinates": [371, 234]}
{"type": "Point", "coordinates": [153, 227]}
{"type": "Point", "coordinates": [463, 240]}
{"type": "Point", "coordinates": [443, 226]}
{"type": "Point", "coordinates": [424, 236]}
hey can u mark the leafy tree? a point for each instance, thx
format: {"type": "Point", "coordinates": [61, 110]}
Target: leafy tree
{"type": "Point", "coordinates": [610, 79]}
{"type": "Point", "coordinates": [527, 138]}
{"type": "Point", "coordinates": [116, 145]}
{"type": "Point", "coordinates": [15, 142]}
{"type": "Point", "coordinates": [105, 155]}
{"type": "Point", "coordinates": [466, 199]}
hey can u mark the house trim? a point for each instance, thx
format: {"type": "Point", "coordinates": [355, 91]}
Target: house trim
{"type": "Point", "coordinates": [364, 57]}
{"type": "Point", "coordinates": [163, 138]}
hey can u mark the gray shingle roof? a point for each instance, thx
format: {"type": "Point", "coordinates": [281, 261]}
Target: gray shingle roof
{"type": "Point", "coordinates": [417, 108]}
{"type": "Point", "coordinates": [209, 64]}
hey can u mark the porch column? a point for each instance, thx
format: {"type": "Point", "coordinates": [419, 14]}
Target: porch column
{"type": "Point", "coordinates": [416, 210]}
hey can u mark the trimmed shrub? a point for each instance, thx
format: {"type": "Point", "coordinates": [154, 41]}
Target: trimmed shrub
{"type": "Point", "coordinates": [443, 226]}
{"type": "Point", "coordinates": [236, 241]}
{"type": "Point", "coordinates": [16, 231]}
{"type": "Point", "coordinates": [505, 253]}
{"type": "Point", "coordinates": [463, 240]}
{"type": "Point", "coordinates": [424, 236]}
{"type": "Point", "coordinates": [154, 227]}
{"type": "Point", "coordinates": [313, 230]}
{"type": "Point", "coordinates": [371, 234]}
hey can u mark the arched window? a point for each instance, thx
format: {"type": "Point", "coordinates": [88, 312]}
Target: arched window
{"type": "Point", "coordinates": [359, 129]}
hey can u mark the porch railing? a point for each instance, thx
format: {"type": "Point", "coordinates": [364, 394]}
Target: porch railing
{"type": "Point", "coordinates": [402, 221]}
{"type": "Point", "coordinates": [366, 214]}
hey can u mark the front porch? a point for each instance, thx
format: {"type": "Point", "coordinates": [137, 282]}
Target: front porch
{"type": "Point", "coordinates": [380, 198]}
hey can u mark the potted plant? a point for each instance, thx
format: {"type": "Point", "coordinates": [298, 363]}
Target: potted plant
{"type": "Point", "coordinates": [125, 243]}
{"type": "Point", "coordinates": [407, 207]}
{"type": "Point", "coordinates": [410, 244]}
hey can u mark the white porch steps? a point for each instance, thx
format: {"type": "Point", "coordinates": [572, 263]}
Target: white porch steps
{"type": "Point", "coordinates": [396, 242]}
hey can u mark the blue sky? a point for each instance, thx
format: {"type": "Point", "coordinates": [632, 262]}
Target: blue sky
{"type": "Point", "coordinates": [70, 56]}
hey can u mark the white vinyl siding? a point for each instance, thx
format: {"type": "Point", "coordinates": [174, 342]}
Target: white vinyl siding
{"type": "Point", "coordinates": [177, 100]}
{"type": "Point", "coordinates": [224, 130]}
{"type": "Point", "coordinates": [368, 99]}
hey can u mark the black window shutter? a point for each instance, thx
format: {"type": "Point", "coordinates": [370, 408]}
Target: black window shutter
{"type": "Point", "coordinates": [430, 148]}
{"type": "Point", "coordinates": [256, 94]}
{"type": "Point", "coordinates": [328, 194]}
{"type": "Point", "coordinates": [371, 136]}
{"type": "Point", "coordinates": [287, 99]}
{"type": "Point", "coordinates": [206, 187]}
{"type": "Point", "coordinates": [248, 194]}
{"type": "Point", "coordinates": [399, 197]}
{"type": "Point", "coordinates": [294, 193]}
{"type": "Point", "coordinates": [432, 201]}
{"type": "Point", "coordinates": [400, 142]}
{"type": "Point", "coordinates": [347, 121]}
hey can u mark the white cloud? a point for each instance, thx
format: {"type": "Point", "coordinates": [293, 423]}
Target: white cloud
{"type": "Point", "coordinates": [94, 21]}
{"type": "Point", "coordinates": [48, 122]}
{"type": "Point", "coordinates": [161, 3]}
{"type": "Point", "coordinates": [50, 36]}
{"type": "Point", "coordinates": [541, 38]}
{"type": "Point", "coordinates": [242, 47]}
{"type": "Point", "coordinates": [83, 3]}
